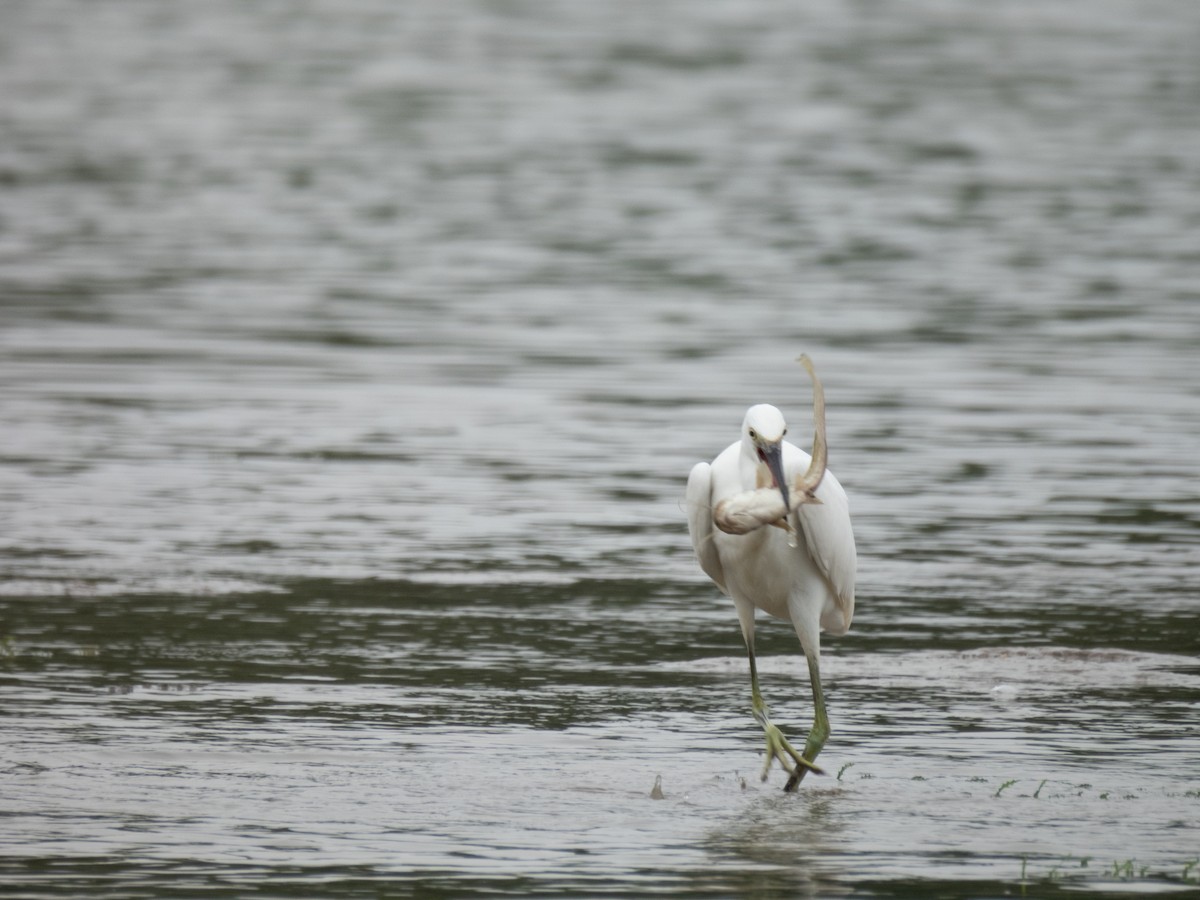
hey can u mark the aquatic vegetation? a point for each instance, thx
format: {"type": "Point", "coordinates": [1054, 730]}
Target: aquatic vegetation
{"type": "Point", "coordinates": [1004, 787]}
{"type": "Point", "coordinates": [1072, 869]}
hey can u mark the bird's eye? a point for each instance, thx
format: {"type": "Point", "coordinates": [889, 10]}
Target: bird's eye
{"type": "Point", "coordinates": [753, 436]}
{"type": "Point", "coordinates": [785, 431]}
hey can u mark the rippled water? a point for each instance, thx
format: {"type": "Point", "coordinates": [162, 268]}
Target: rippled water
{"type": "Point", "coordinates": [352, 360]}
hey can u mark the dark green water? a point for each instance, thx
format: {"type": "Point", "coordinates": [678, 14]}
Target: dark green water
{"type": "Point", "coordinates": [352, 360]}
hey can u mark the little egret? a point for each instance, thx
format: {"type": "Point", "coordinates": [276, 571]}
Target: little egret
{"type": "Point", "coordinates": [800, 570]}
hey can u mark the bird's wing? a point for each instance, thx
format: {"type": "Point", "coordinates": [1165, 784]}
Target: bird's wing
{"type": "Point", "coordinates": [700, 522]}
{"type": "Point", "coordinates": [829, 537]}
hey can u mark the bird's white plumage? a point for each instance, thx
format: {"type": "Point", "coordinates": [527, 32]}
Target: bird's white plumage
{"type": "Point", "coordinates": [801, 571]}
{"type": "Point", "coordinates": [700, 522]}
{"type": "Point", "coordinates": [761, 568]}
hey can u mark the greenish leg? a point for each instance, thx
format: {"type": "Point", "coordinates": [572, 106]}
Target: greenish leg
{"type": "Point", "coordinates": [819, 733]}
{"type": "Point", "coordinates": [778, 746]}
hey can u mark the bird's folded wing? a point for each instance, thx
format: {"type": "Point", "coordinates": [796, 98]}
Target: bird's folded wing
{"type": "Point", "coordinates": [830, 541]}
{"type": "Point", "coordinates": [700, 522]}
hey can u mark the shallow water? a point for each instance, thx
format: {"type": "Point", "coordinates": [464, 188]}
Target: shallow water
{"type": "Point", "coordinates": [352, 360]}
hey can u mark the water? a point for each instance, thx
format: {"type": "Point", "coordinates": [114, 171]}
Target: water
{"type": "Point", "coordinates": [352, 360]}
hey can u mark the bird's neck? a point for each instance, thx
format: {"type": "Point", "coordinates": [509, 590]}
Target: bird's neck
{"type": "Point", "coordinates": [752, 472]}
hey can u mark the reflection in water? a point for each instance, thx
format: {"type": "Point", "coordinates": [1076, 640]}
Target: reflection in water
{"type": "Point", "coordinates": [791, 844]}
{"type": "Point", "coordinates": [353, 359]}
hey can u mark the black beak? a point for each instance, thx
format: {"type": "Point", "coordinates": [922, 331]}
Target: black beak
{"type": "Point", "coordinates": [773, 457]}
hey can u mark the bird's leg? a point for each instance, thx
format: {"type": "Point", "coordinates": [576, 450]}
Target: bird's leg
{"type": "Point", "coordinates": [819, 733]}
{"type": "Point", "coordinates": [778, 746]}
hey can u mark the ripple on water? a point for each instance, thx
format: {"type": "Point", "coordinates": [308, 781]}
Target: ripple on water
{"type": "Point", "coordinates": [353, 361]}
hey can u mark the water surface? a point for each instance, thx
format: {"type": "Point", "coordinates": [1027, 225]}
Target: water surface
{"type": "Point", "coordinates": [352, 360]}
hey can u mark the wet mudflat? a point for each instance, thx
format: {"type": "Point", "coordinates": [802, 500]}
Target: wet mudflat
{"type": "Point", "coordinates": [352, 361]}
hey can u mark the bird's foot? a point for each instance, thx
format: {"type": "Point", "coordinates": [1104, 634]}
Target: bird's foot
{"type": "Point", "coordinates": [789, 758]}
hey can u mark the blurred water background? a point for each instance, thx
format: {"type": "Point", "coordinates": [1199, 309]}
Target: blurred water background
{"type": "Point", "coordinates": [353, 356]}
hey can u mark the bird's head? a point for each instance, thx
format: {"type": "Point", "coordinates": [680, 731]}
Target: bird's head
{"type": "Point", "coordinates": [762, 439]}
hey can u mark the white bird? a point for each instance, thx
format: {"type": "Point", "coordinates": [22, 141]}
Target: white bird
{"type": "Point", "coordinates": [801, 571]}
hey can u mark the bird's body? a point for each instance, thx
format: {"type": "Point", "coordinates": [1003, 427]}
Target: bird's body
{"type": "Point", "coordinates": [802, 571]}
{"type": "Point", "coordinates": [767, 567]}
